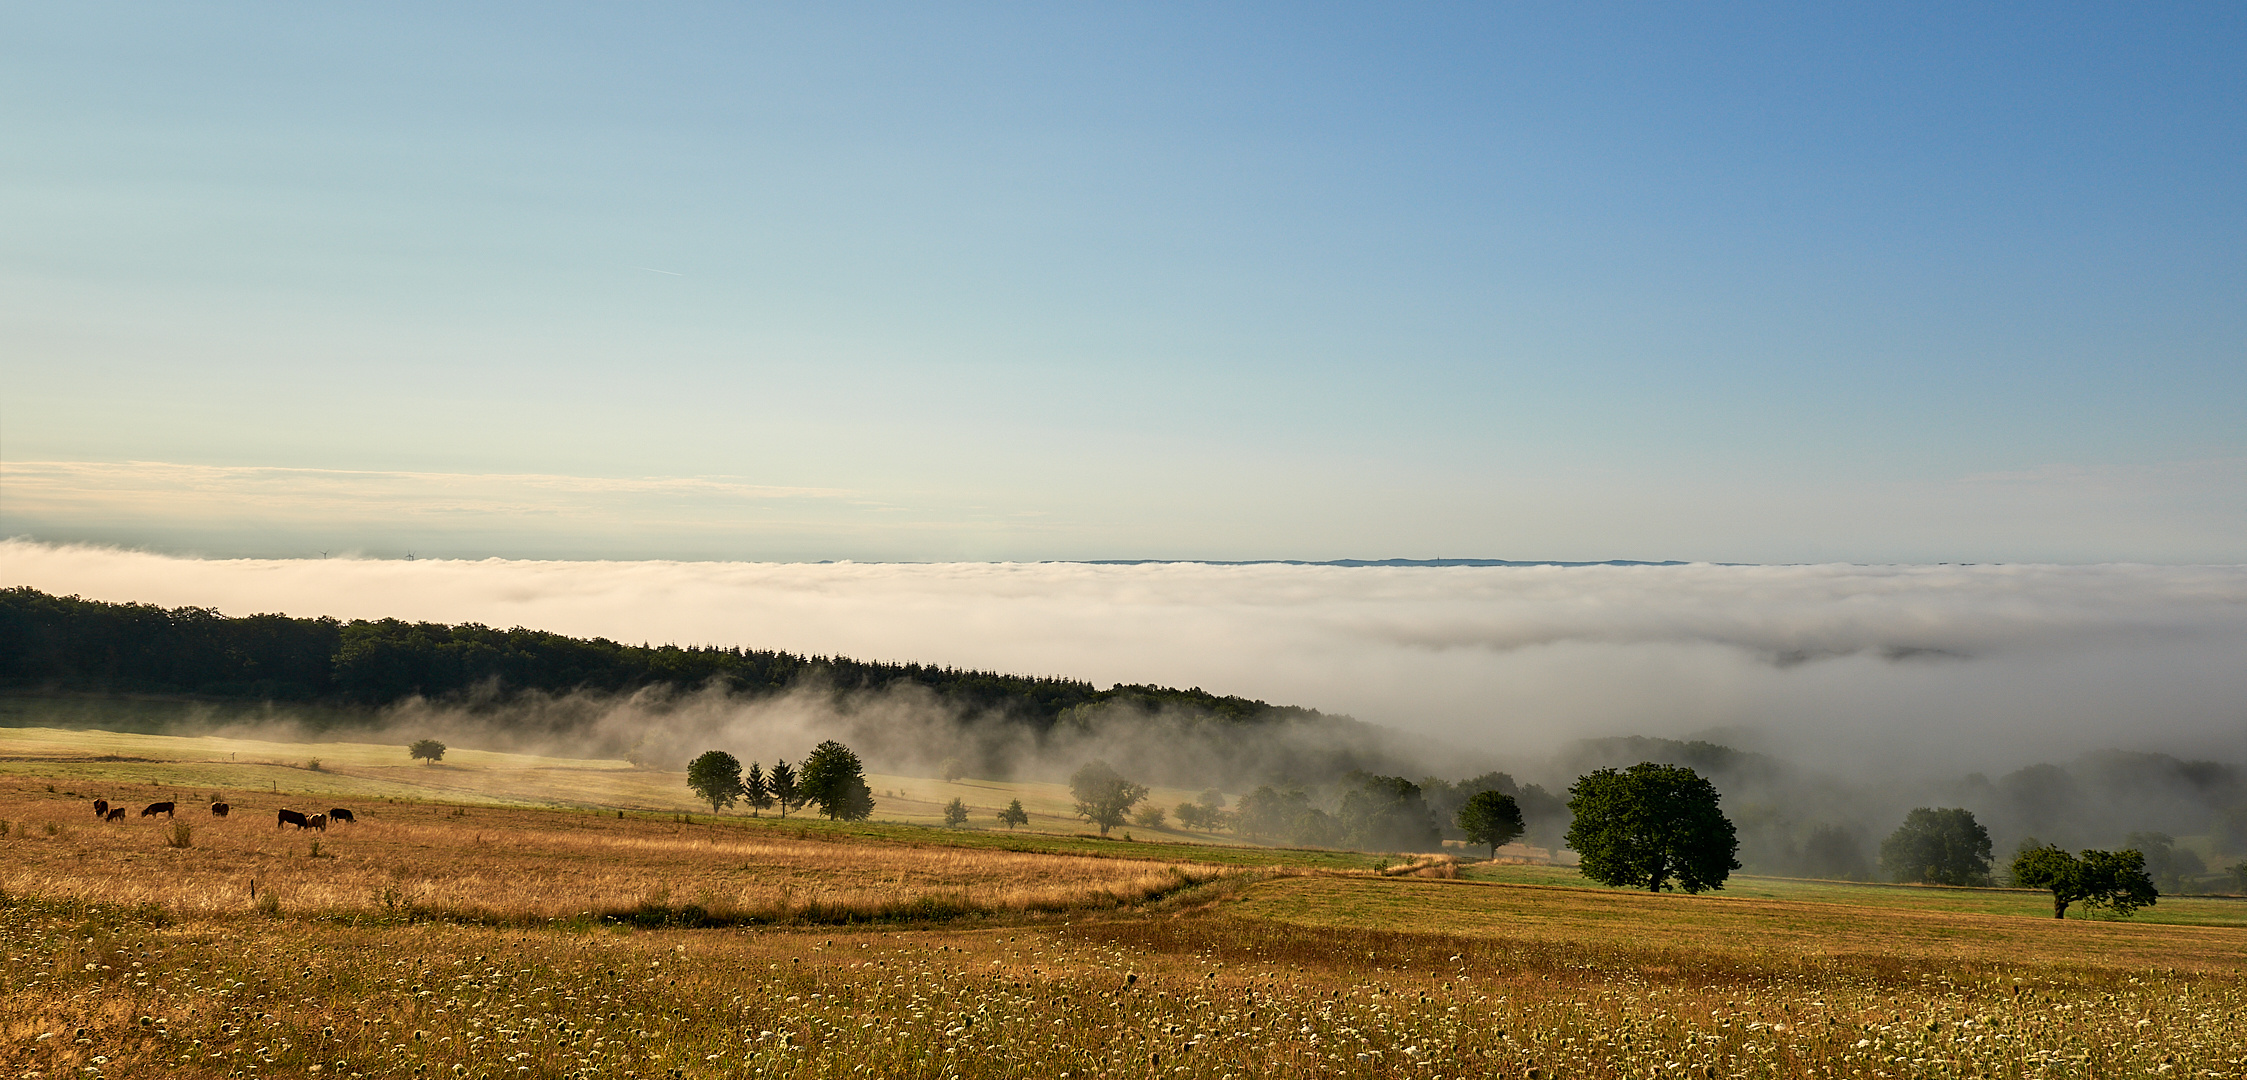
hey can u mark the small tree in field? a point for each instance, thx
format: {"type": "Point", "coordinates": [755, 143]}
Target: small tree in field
{"type": "Point", "coordinates": [784, 789]}
{"type": "Point", "coordinates": [1490, 817]}
{"type": "Point", "coordinates": [952, 768]}
{"type": "Point", "coordinates": [1644, 825]}
{"type": "Point", "coordinates": [756, 790]}
{"type": "Point", "coordinates": [1013, 815]}
{"type": "Point", "coordinates": [1103, 795]}
{"type": "Point", "coordinates": [1190, 815]}
{"type": "Point", "coordinates": [2115, 880]}
{"type": "Point", "coordinates": [716, 776]}
{"type": "Point", "coordinates": [1150, 816]}
{"type": "Point", "coordinates": [955, 813]}
{"type": "Point", "coordinates": [429, 750]}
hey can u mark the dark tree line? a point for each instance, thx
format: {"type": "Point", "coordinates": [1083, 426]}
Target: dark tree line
{"type": "Point", "coordinates": [68, 643]}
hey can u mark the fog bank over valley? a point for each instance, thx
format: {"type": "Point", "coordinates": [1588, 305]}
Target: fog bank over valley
{"type": "Point", "coordinates": [1836, 666]}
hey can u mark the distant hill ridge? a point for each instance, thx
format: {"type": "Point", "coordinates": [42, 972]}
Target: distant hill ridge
{"type": "Point", "coordinates": [68, 643]}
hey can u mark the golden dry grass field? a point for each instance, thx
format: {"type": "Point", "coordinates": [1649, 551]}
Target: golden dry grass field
{"type": "Point", "coordinates": [470, 939]}
{"type": "Point", "coordinates": [358, 770]}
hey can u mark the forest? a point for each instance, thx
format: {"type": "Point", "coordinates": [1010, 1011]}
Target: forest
{"type": "Point", "coordinates": [70, 644]}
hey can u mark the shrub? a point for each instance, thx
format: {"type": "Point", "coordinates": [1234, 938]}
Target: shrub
{"type": "Point", "coordinates": [183, 835]}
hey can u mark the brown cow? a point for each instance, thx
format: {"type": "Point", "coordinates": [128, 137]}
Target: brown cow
{"type": "Point", "coordinates": [290, 817]}
{"type": "Point", "coordinates": [116, 814]}
{"type": "Point", "coordinates": [341, 814]}
{"type": "Point", "coordinates": [101, 808]}
{"type": "Point", "coordinates": [317, 821]}
{"type": "Point", "coordinates": [156, 808]}
{"type": "Point", "coordinates": [219, 809]}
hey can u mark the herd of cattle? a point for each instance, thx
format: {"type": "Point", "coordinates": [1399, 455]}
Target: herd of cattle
{"type": "Point", "coordinates": [106, 812]}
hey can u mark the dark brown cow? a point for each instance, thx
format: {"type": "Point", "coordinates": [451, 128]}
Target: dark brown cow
{"type": "Point", "coordinates": [317, 821]}
{"type": "Point", "coordinates": [219, 809]}
{"type": "Point", "coordinates": [101, 808]}
{"type": "Point", "coordinates": [341, 814]}
{"type": "Point", "coordinates": [290, 817]}
{"type": "Point", "coordinates": [116, 814]}
{"type": "Point", "coordinates": [156, 808]}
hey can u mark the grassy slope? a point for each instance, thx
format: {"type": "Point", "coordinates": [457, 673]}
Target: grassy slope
{"type": "Point", "coordinates": [1320, 974]}
{"type": "Point", "coordinates": [137, 768]}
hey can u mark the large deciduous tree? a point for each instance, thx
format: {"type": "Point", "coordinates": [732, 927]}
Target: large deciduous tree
{"type": "Point", "coordinates": [1938, 847]}
{"type": "Point", "coordinates": [1650, 825]}
{"type": "Point", "coordinates": [1490, 817]}
{"type": "Point", "coordinates": [834, 778]}
{"type": "Point", "coordinates": [716, 776]}
{"type": "Point", "coordinates": [1103, 796]}
{"type": "Point", "coordinates": [2115, 880]}
{"type": "Point", "coordinates": [429, 750]}
{"type": "Point", "coordinates": [2095, 879]}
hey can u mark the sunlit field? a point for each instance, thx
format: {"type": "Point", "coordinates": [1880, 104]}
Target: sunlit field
{"type": "Point", "coordinates": [478, 940]}
{"type": "Point", "coordinates": [521, 866]}
{"type": "Point", "coordinates": [359, 770]}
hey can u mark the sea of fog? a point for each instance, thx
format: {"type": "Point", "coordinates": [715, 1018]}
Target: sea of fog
{"type": "Point", "coordinates": [1960, 667]}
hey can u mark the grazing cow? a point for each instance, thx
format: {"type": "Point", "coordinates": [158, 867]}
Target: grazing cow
{"type": "Point", "coordinates": [101, 808]}
{"type": "Point", "coordinates": [219, 809]}
{"type": "Point", "coordinates": [116, 814]}
{"type": "Point", "coordinates": [156, 808]}
{"type": "Point", "coordinates": [317, 821]}
{"type": "Point", "coordinates": [291, 817]}
{"type": "Point", "coordinates": [341, 814]}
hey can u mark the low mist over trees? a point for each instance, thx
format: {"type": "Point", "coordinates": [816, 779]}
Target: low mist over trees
{"type": "Point", "coordinates": [1491, 818]}
{"type": "Point", "coordinates": [74, 644]}
{"type": "Point", "coordinates": [1103, 796]}
{"type": "Point", "coordinates": [1386, 813]}
{"type": "Point", "coordinates": [1310, 778]}
{"type": "Point", "coordinates": [1284, 817]}
{"type": "Point", "coordinates": [1938, 847]}
{"type": "Point", "coordinates": [2171, 867]}
{"type": "Point", "coordinates": [1649, 824]}
{"type": "Point", "coordinates": [1833, 851]}
{"type": "Point", "coordinates": [653, 704]}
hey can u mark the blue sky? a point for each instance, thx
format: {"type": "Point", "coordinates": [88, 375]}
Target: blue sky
{"type": "Point", "coordinates": [1744, 283]}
